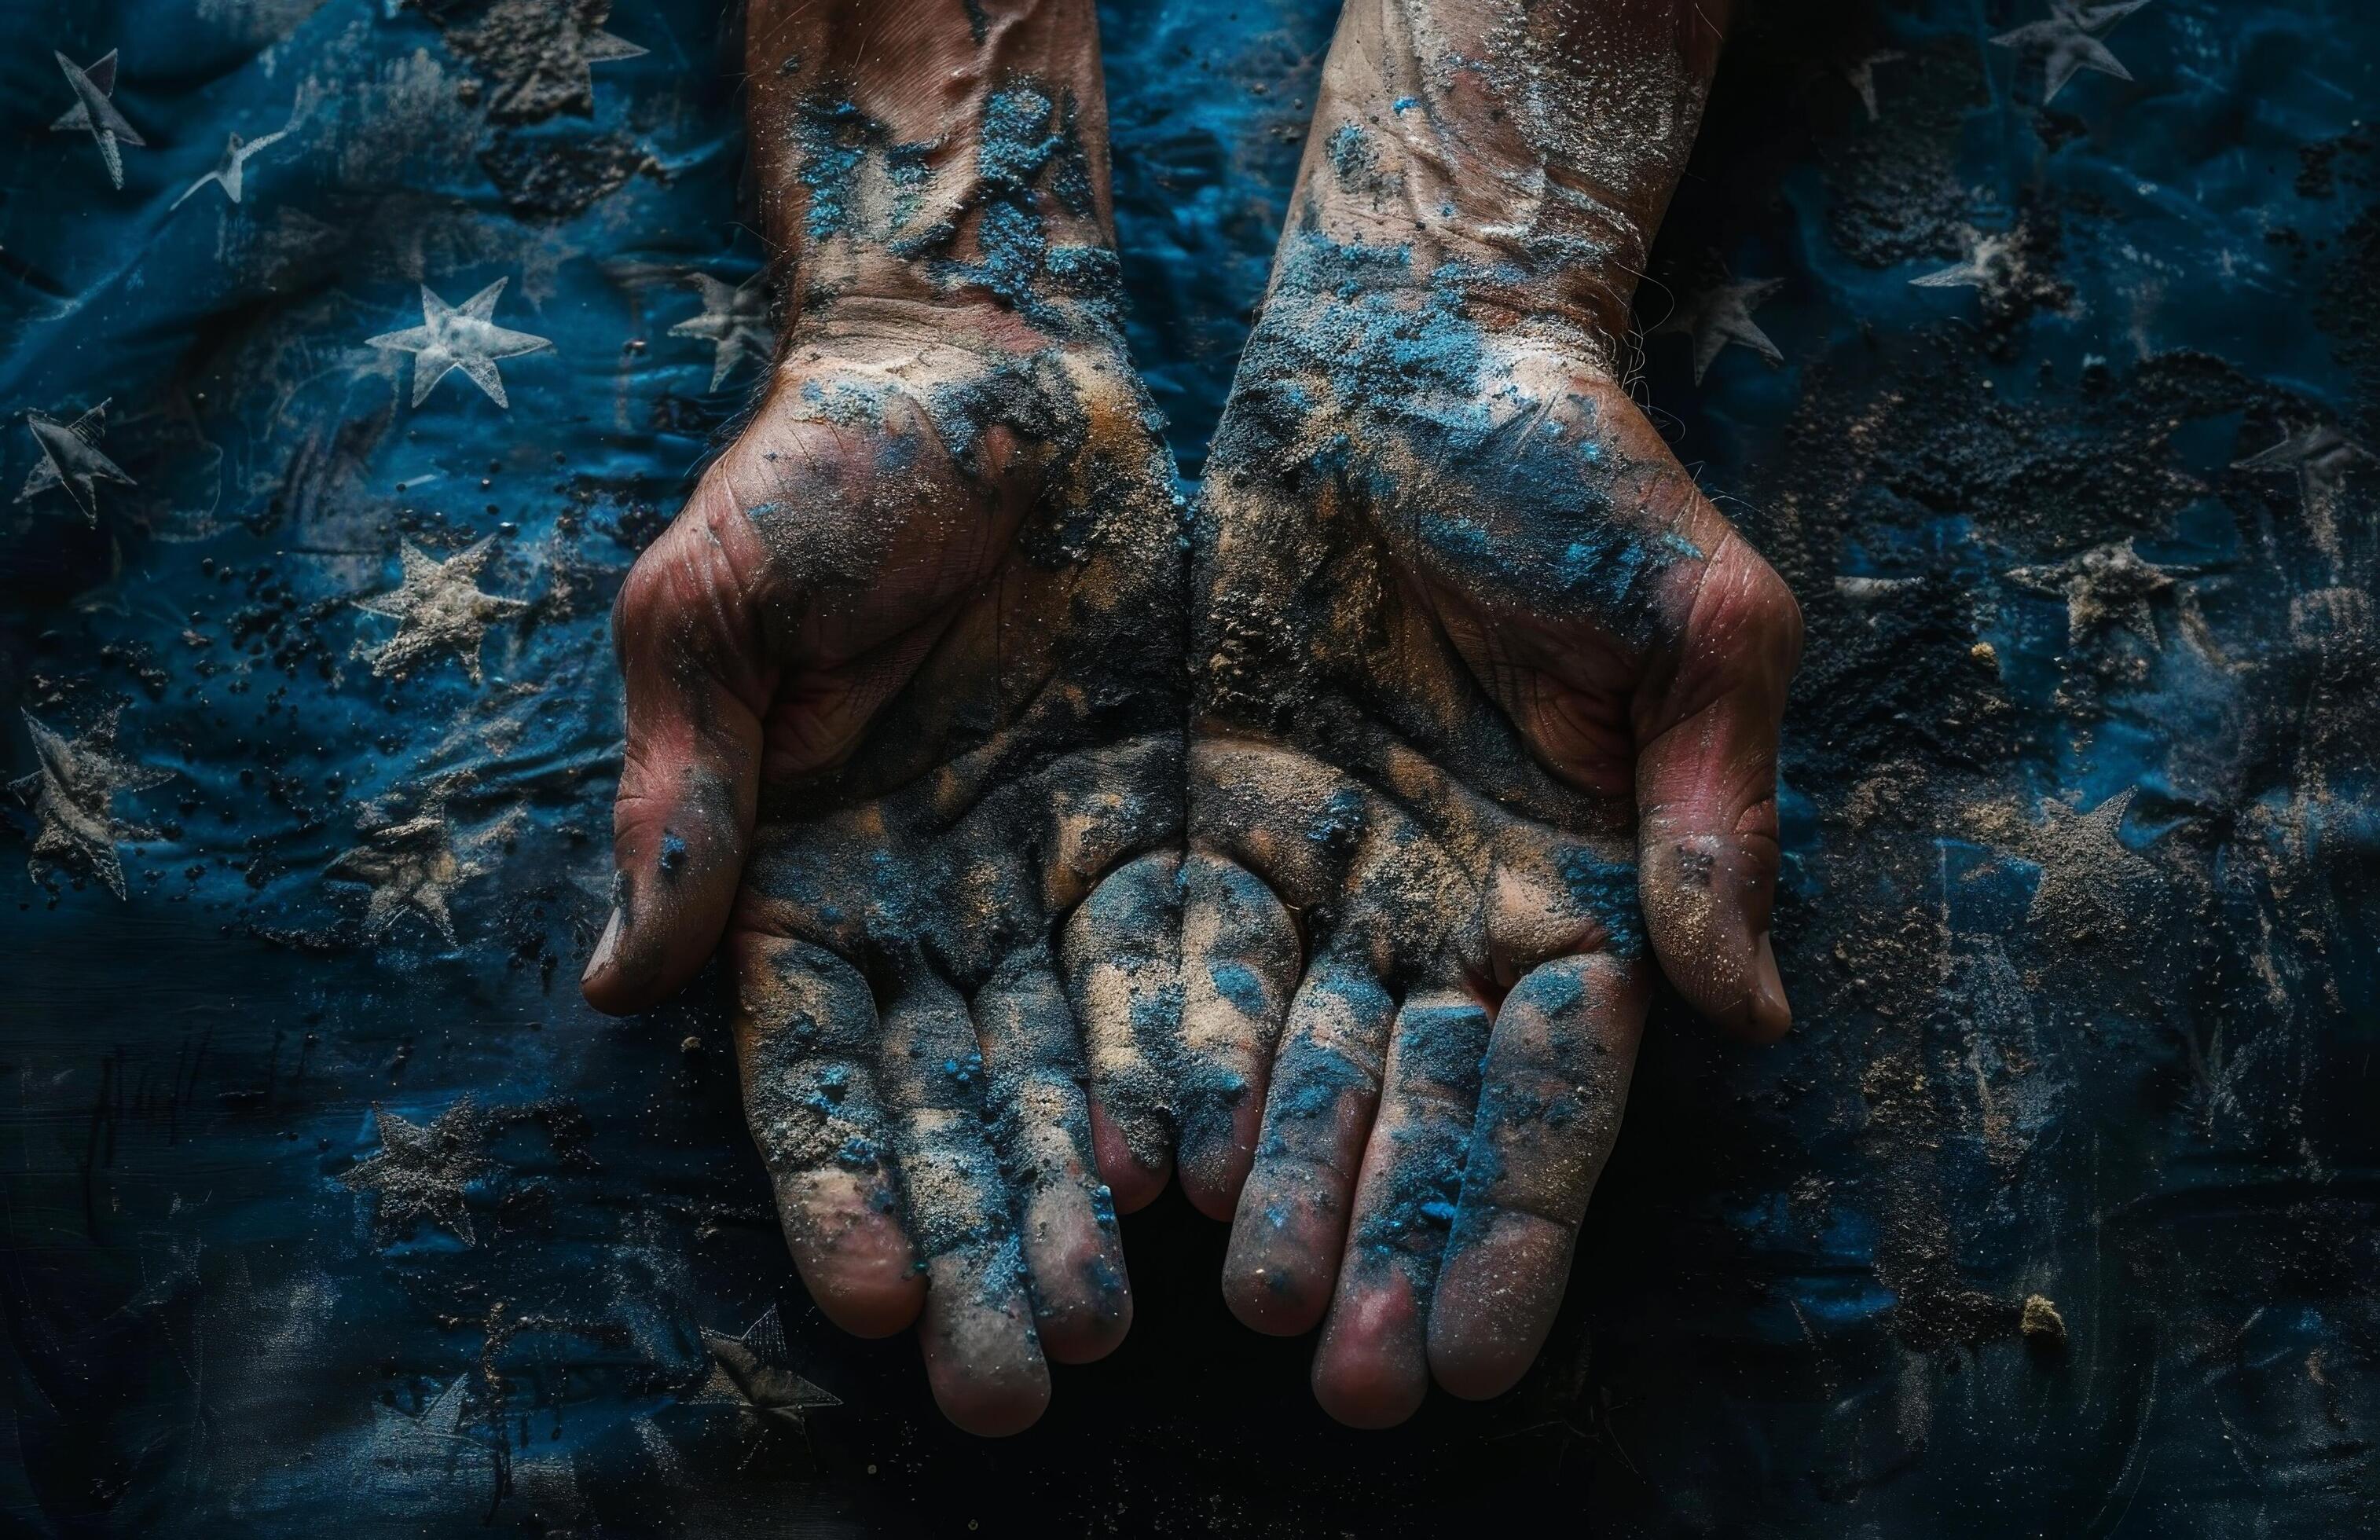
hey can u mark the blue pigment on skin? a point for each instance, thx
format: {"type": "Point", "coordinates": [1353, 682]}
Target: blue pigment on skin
{"type": "Point", "coordinates": [1434, 437]}
{"type": "Point", "coordinates": [1031, 151]}
{"type": "Point", "coordinates": [1605, 890]}
{"type": "Point", "coordinates": [1238, 984]}
{"type": "Point", "coordinates": [673, 856]}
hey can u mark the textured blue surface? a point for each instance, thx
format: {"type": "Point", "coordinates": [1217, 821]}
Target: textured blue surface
{"type": "Point", "coordinates": [2082, 902]}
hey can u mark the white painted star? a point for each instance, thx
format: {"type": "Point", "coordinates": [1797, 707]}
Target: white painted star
{"type": "Point", "coordinates": [73, 793]}
{"type": "Point", "coordinates": [2108, 583]}
{"type": "Point", "coordinates": [466, 339]}
{"type": "Point", "coordinates": [1720, 315]}
{"type": "Point", "coordinates": [412, 868]}
{"type": "Point", "coordinates": [734, 319]}
{"type": "Point", "coordinates": [2067, 42]}
{"type": "Point", "coordinates": [70, 459]}
{"type": "Point", "coordinates": [438, 609]}
{"type": "Point", "coordinates": [231, 171]}
{"type": "Point", "coordinates": [93, 114]}
{"type": "Point", "coordinates": [2318, 456]}
{"type": "Point", "coordinates": [1861, 73]}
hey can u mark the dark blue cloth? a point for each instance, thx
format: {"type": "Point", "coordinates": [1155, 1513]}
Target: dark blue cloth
{"type": "Point", "coordinates": [330, 1208]}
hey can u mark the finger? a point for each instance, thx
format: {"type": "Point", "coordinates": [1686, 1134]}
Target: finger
{"type": "Point", "coordinates": [1372, 1368]}
{"type": "Point", "coordinates": [1292, 1214]}
{"type": "Point", "coordinates": [1551, 1093]}
{"type": "Point", "coordinates": [1081, 1298]}
{"type": "Point", "coordinates": [1121, 953]}
{"type": "Point", "coordinates": [689, 782]}
{"type": "Point", "coordinates": [983, 1357]}
{"type": "Point", "coordinates": [805, 1045]}
{"type": "Point", "coordinates": [1239, 965]}
{"type": "Point", "coordinates": [1706, 794]}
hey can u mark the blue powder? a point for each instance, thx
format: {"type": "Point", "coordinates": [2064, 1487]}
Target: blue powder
{"type": "Point", "coordinates": [1608, 891]}
{"type": "Point", "coordinates": [1238, 984]}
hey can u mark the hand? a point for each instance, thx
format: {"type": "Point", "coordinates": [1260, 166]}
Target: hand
{"type": "Point", "coordinates": [1486, 701]}
{"type": "Point", "coordinates": [903, 721]}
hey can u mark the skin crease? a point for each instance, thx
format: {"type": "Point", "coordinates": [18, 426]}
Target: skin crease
{"type": "Point", "coordinates": [1486, 698]}
{"type": "Point", "coordinates": [904, 698]}
{"type": "Point", "coordinates": [905, 701]}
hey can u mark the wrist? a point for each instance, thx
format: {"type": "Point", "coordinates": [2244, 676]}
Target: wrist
{"type": "Point", "coordinates": [1523, 155]}
{"type": "Point", "coordinates": [936, 152]}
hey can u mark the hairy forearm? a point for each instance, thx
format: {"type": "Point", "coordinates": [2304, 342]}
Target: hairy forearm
{"type": "Point", "coordinates": [1522, 151]}
{"type": "Point", "coordinates": [935, 151]}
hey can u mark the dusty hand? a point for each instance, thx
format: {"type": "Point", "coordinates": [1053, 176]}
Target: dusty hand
{"type": "Point", "coordinates": [1486, 706]}
{"type": "Point", "coordinates": [902, 693]}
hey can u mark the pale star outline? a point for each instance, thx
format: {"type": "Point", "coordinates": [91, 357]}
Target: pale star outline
{"type": "Point", "coordinates": [2106, 585]}
{"type": "Point", "coordinates": [2318, 456]}
{"type": "Point", "coordinates": [735, 319]}
{"type": "Point", "coordinates": [423, 1170]}
{"type": "Point", "coordinates": [2083, 857]}
{"type": "Point", "coordinates": [747, 1371]}
{"type": "Point", "coordinates": [464, 337]}
{"type": "Point", "coordinates": [438, 608]}
{"type": "Point", "coordinates": [1861, 73]}
{"type": "Point", "coordinates": [72, 793]}
{"type": "Point", "coordinates": [94, 113]}
{"type": "Point", "coordinates": [413, 865]}
{"type": "Point", "coordinates": [71, 458]}
{"type": "Point", "coordinates": [573, 46]}
{"type": "Point", "coordinates": [1722, 314]}
{"type": "Point", "coordinates": [231, 172]}
{"type": "Point", "coordinates": [2067, 40]}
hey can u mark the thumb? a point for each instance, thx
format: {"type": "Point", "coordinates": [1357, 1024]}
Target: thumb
{"type": "Point", "coordinates": [1707, 793]}
{"type": "Point", "coordinates": [690, 654]}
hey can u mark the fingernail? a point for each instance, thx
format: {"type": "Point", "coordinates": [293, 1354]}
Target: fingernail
{"type": "Point", "coordinates": [603, 948]}
{"type": "Point", "coordinates": [1771, 1005]}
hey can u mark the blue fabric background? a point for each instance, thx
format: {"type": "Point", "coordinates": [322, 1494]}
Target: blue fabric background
{"type": "Point", "coordinates": [2082, 897]}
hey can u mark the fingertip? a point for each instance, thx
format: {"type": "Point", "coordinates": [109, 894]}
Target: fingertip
{"type": "Point", "coordinates": [1769, 1015]}
{"type": "Point", "coordinates": [1371, 1370]}
{"type": "Point", "coordinates": [988, 1405]}
{"type": "Point", "coordinates": [869, 1291]}
{"type": "Point", "coordinates": [1084, 1333]}
{"type": "Point", "coordinates": [1132, 1182]}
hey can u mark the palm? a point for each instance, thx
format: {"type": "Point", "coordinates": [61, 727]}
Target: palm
{"type": "Point", "coordinates": [1457, 599]}
{"type": "Point", "coordinates": [930, 592]}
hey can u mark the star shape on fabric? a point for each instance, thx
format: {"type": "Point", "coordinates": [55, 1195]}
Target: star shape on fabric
{"type": "Point", "coordinates": [2319, 456]}
{"type": "Point", "coordinates": [423, 1170]}
{"type": "Point", "coordinates": [2067, 42]}
{"type": "Point", "coordinates": [1720, 315]}
{"type": "Point", "coordinates": [734, 319]}
{"type": "Point", "coordinates": [2106, 585]}
{"type": "Point", "coordinates": [541, 53]}
{"type": "Point", "coordinates": [2085, 864]}
{"type": "Point", "coordinates": [95, 115]}
{"type": "Point", "coordinates": [412, 866]}
{"type": "Point", "coordinates": [70, 459]}
{"type": "Point", "coordinates": [748, 1371]}
{"type": "Point", "coordinates": [231, 172]}
{"type": "Point", "coordinates": [1861, 73]}
{"type": "Point", "coordinates": [465, 338]}
{"type": "Point", "coordinates": [73, 793]}
{"type": "Point", "coordinates": [439, 608]}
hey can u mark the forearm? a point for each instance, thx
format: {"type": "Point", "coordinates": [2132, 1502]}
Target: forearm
{"type": "Point", "coordinates": [1523, 153]}
{"type": "Point", "coordinates": [932, 151]}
